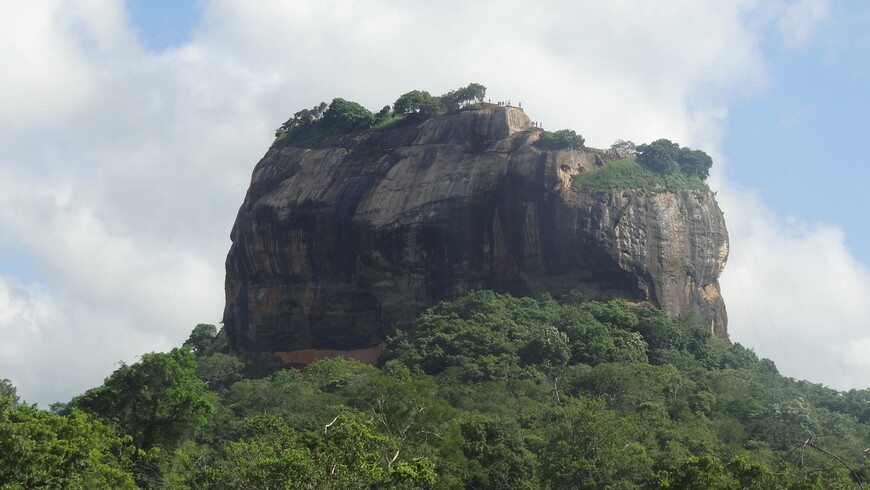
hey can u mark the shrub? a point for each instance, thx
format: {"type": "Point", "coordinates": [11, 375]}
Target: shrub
{"type": "Point", "coordinates": [564, 139]}
{"type": "Point", "coordinates": [666, 157]}
{"type": "Point", "coordinates": [629, 174]}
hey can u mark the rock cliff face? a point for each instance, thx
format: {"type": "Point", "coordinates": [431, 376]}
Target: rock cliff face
{"type": "Point", "coordinates": [337, 246]}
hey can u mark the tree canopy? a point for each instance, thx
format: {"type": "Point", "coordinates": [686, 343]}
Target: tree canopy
{"type": "Point", "coordinates": [343, 116]}
{"type": "Point", "coordinates": [417, 102]}
{"type": "Point", "coordinates": [421, 104]}
{"type": "Point", "coordinates": [564, 139]}
{"type": "Point", "coordinates": [157, 401]}
{"type": "Point", "coordinates": [486, 391]}
{"type": "Point", "coordinates": [456, 99]}
{"type": "Point", "coordinates": [665, 156]}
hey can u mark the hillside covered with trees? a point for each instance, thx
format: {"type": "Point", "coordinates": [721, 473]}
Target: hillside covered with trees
{"type": "Point", "coordinates": [489, 391]}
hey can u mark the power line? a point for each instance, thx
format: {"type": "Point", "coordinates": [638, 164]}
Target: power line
{"type": "Point", "coordinates": [766, 311]}
{"type": "Point", "coordinates": [749, 314]}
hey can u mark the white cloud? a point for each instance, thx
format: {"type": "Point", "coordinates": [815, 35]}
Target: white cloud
{"type": "Point", "coordinates": [795, 294]}
{"type": "Point", "coordinates": [121, 170]}
{"type": "Point", "coordinates": [44, 80]}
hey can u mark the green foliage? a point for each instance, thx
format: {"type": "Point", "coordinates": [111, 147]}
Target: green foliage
{"type": "Point", "coordinates": [8, 390]}
{"type": "Point", "coordinates": [301, 121]}
{"type": "Point", "coordinates": [499, 457]}
{"type": "Point", "coordinates": [418, 103]}
{"type": "Point", "coordinates": [343, 118]}
{"type": "Point", "coordinates": [218, 371]}
{"type": "Point", "coordinates": [487, 391]}
{"type": "Point", "coordinates": [457, 99]}
{"type": "Point", "coordinates": [349, 453]}
{"type": "Point", "coordinates": [590, 446]}
{"type": "Point", "coordinates": [344, 115]}
{"type": "Point", "coordinates": [206, 339]}
{"type": "Point", "coordinates": [666, 157]}
{"type": "Point", "coordinates": [479, 329]}
{"type": "Point", "coordinates": [660, 156]}
{"type": "Point", "coordinates": [157, 401]}
{"type": "Point", "coordinates": [623, 149]}
{"type": "Point", "coordinates": [742, 472]}
{"type": "Point", "coordinates": [389, 121]}
{"type": "Point", "coordinates": [358, 457]}
{"type": "Point", "coordinates": [271, 455]}
{"type": "Point", "coordinates": [42, 450]}
{"type": "Point", "coordinates": [338, 118]}
{"type": "Point", "coordinates": [694, 163]}
{"type": "Point", "coordinates": [564, 139]}
{"type": "Point", "coordinates": [629, 174]}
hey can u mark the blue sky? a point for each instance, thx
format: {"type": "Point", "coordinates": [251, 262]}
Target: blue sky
{"type": "Point", "coordinates": [800, 139]}
{"type": "Point", "coordinates": [807, 123]}
{"type": "Point", "coordinates": [130, 130]}
{"type": "Point", "coordinates": [162, 24]}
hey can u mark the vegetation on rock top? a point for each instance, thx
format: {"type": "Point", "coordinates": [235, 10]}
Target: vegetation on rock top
{"type": "Point", "coordinates": [628, 173]}
{"type": "Point", "coordinates": [660, 166]}
{"type": "Point", "coordinates": [341, 116]}
{"type": "Point", "coordinates": [564, 139]}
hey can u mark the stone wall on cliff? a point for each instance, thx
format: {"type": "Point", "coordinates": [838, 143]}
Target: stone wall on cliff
{"type": "Point", "coordinates": [338, 245]}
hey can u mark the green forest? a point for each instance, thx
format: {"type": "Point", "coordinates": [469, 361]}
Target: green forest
{"type": "Point", "coordinates": [489, 391]}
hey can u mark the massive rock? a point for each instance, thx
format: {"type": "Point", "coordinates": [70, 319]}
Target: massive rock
{"type": "Point", "coordinates": [340, 243]}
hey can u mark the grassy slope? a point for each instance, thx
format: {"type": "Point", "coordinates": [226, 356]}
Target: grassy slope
{"type": "Point", "coordinates": [628, 174]}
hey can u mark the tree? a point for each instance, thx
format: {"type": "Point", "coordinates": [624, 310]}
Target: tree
{"type": "Point", "coordinates": [417, 102]}
{"type": "Point", "coordinates": [564, 139]}
{"type": "Point", "coordinates": [157, 401]}
{"type": "Point", "coordinates": [546, 345]}
{"type": "Point", "coordinates": [42, 450]}
{"type": "Point", "coordinates": [456, 99]}
{"type": "Point", "coordinates": [219, 370]}
{"type": "Point", "coordinates": [301, 120]}
{"type": "Point", "coordinates": [694, 163]}
{"type": "Point", "coordinates": [201, 338]}
{"type": "Point", "coordinates": [665, 157]}
{"type": "Point", "coordinates": [383, 114]}
{"type": "Point", "coordinates": [475, 92]}
{"type": "Point", "coordinates": [269, 455]}
{"type": "Point", "coordinates": [659, 156]}
{"type": "Point", "coordinates": [591, 447]}
{"type": "Point", "coordinates": [704, 472]}
{"type": "Point", "coordinates": [623, 148]}
{"type": "Point", "coordinates": [346, 115]}
{"type": "Point", "coordinates": [357, 456]}
{"type": "Point", "coordinates": [8, 390]}
{"type": "Point", "coordinates": [499, 456]}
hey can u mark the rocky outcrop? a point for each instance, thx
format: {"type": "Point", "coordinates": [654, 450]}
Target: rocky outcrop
{"type": "Point", "coordinates": [336, 246]}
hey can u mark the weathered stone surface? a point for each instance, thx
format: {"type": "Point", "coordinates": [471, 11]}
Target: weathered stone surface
{"type": "Point", "coordinates": [335, 247]}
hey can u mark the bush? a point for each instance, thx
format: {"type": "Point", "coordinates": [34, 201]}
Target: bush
{"type": "Point", "coordinates": [564, 139]}
{"type": "Point", "coordinates": [659, 156]}
{"type": "Point", "coordinates": [462, 97]}
{"type": "Point", "coordinates": [417, 102]}
{"type": "Point", "coordinates": [345, 115]}
{"type": "Point", "coordinates": [666, 157]}
{"type": "Point", "coordinates": [629, 174]}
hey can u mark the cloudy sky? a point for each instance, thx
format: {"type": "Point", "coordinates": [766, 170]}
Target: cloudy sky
{"type": "Point", "coordinates": [129, 130]}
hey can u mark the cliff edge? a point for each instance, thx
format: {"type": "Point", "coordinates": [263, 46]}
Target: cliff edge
{"type": "Point", "coordinates": [340, 243]}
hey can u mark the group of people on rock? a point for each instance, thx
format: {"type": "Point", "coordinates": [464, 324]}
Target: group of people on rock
{"type": "Point", "coordinates": [502, 103]}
